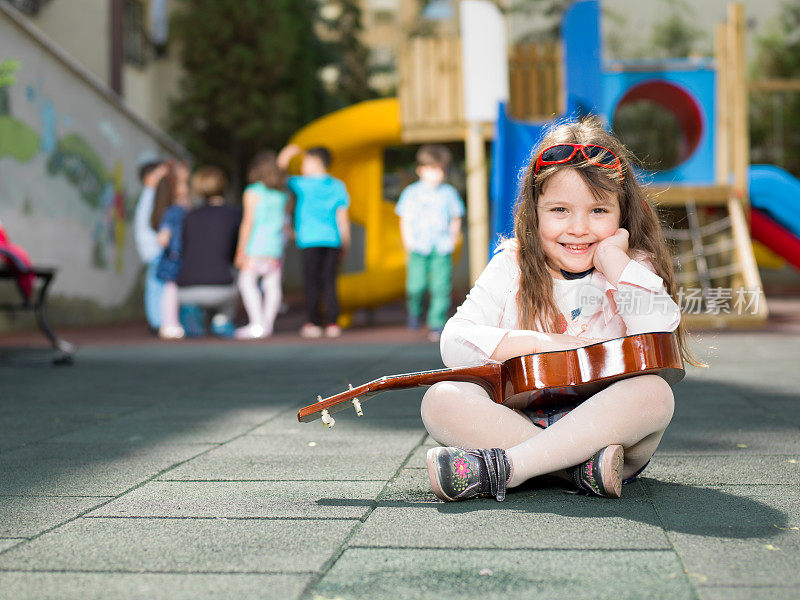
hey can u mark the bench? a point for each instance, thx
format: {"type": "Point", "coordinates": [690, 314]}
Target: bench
{"type": "Point", "coordinates": [36, 302]}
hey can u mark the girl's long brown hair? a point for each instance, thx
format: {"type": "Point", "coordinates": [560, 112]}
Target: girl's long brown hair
{"type": "Point", "coordinates": [164, 198]}
{"type": "Point", "coordinates": [535, 301]}
{"type": "Point", "coordinates": [264, 168]}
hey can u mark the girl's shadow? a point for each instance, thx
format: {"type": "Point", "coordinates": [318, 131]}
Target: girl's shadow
{"type": "Point", "coordinates": [682, 508]}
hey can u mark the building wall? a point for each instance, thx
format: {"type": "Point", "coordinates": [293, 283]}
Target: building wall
{"type": "Point", "coordinates": [69, 155]}
{"type": "Point", "coordinates": [148, 90]}
{"type": "Point", "coordinates": [82, 28]}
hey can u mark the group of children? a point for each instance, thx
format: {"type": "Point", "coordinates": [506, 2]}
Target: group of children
{"type": "Point", "coordinates": [314, 203]}
{"type": "Point", "coordinates": [313, 209]}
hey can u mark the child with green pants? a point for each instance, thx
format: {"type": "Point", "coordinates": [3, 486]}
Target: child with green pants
{"type": "Point", "coordinates": [430, 212]}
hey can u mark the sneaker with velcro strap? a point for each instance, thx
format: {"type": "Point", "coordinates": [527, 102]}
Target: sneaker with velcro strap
{"type": "Point", "coordinates": [460, 474]}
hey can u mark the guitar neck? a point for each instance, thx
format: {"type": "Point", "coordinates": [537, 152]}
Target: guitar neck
{"type": "Point", "coordinates": [487, 376]}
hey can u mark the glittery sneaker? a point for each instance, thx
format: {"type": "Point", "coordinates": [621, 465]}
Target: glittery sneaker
{"type": "Point", "coordinates": [459, 474]}
{"type": "Point", "coordinates": [601, 475]}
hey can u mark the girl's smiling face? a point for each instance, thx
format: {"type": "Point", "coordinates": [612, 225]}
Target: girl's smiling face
{"type": "Point", "coordinates": [572, 221]}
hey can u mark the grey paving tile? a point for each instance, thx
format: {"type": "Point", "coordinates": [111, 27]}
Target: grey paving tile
{"type": "Point", "coordinates": [391, 410]}
{"type": "Point", "coordinates": [11, 441]}
{"type": "Point", "coordinates": [725, 469]}
{"type": "Point", "coordinates": [768, 436]}
{"type": "Point", "coordinates": [456, 574]}
{"type": "Point", "coordinates": [785, 407]}
{"type": "Point", "coordinates": [101, 586]}
{"type": "Point", "coordinates": [347, 423]}
{"type": "Point", "coordinates": [22, 516]}
{"type": "Point", "coordinates": [759, 512]}
{"type": "Point", "coordinates": [744, 592]}
{"type": "Point", "coordinates": [708, 401]}
{"type": "Point", "coordinates": [417, 461]}
{"type": "Point", "coordinates": [306, 499]}
{"type": "Point", "coordinates": [182, 546]}
{"type": "Point", "coordinates": [73, 469]}
{"type": "Point", "coordinates": [167, 427]}
{"type": "Point", "coordinates": [734, 535]}
{"type": "Point", "coordinates": [532, 518]}
{"type": "Point", "coordinates": [317, 454]}
{"type": "Point", "coordinates": [235, 412]}
{"type": "Point", "coordinates": [734, 562]}
{"type": "Point", "coordinates": [6, 543]}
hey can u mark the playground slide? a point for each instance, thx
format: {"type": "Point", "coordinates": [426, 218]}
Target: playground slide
{"type": "Point", "coordinates": [511, 148]}
{"type": "Point", "coordinates": [356, 137]}
{"type": "Point", "coordinates": [775, 211]}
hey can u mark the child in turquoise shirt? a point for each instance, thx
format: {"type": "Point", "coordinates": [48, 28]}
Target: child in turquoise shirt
{"type": "Point", "coordinates": [322, 233]}
{"type": "Point", "coordinates": [259, 252]}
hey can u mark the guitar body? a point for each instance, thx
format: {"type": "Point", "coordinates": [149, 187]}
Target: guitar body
{"type": "Point", "coordinates": [568, 377]}
{"type": "Point", "coordinates": [547, 380]}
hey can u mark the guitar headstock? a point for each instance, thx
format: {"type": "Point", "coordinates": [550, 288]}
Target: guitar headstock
{"type": "Point", "coordinates": [323, 407]}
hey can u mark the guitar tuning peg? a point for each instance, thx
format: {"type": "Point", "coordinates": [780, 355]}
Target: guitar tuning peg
{"type": "Point", "coordinates": [357, 406]}
{"type": "Point", "coordinates": [327, 419]}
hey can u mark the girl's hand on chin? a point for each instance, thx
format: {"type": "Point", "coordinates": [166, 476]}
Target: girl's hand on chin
{"type": "Point", "coordinates": [618, 240]}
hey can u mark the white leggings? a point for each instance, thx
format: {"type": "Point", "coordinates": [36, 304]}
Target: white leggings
{"type": "Point", "coordinates": [632, 412]}
{"type": "Point", "coordinates": [261, 312]}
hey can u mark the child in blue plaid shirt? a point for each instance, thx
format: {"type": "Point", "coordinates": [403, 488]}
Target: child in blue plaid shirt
{"type": "Point", "coordinates": [430, 212]}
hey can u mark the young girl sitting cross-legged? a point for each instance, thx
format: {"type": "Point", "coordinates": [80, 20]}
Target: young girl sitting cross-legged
{"type": "Point", "coordinates": [588, 262]}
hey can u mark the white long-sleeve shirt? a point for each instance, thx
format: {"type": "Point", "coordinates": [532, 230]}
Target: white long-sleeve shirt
{"type": "Point", "coordinates": [590, 307]}
{"type": "Point", "coordinates": [146, 237]}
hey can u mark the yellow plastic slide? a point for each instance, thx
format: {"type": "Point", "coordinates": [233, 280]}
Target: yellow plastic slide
{"type": "Point", "coordinates": [356, 137]}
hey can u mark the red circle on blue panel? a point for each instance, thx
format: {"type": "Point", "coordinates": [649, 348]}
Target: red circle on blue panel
{"type": "Point", "coordinates": [675, 100]}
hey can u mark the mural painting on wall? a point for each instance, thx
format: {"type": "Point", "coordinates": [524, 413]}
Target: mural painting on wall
{"type": "Point", "coordinates": [73, 158]}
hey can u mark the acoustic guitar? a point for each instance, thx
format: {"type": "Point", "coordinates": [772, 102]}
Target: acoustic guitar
{"type": "Point", "coordinates": [546, 380]}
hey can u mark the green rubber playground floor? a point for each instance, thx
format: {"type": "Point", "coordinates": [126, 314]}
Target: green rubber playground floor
{"type": "Point", "coordinates": [178, 470]}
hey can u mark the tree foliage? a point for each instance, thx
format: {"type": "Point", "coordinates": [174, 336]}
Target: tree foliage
{"type": "Point", "coordinates": [551, 13]}
{"type": "Point", "coordinates": [675, 36]}
{"type": "Point", "coordinates": [250, 77]}
{"type": "Point", "coordinates": [350, 57]}
{"type": "Point", "coordinates": [775, 116]}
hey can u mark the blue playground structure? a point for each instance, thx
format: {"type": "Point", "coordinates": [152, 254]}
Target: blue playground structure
{"type": "Point", "coordinates": [684, 88]}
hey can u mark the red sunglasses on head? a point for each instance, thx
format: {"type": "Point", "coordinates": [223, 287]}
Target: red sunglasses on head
{"type": "Point", "coordinates": [563, 153]}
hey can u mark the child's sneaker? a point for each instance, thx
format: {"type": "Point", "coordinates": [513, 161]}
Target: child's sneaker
{"type": "Point", "coordinates": [434, 335]}
{"type": "Point", "coordinates": [459, 474]}
{"type": "Point", "coordinates": [171, 332]}
{"type": "Point", "coordinates": [333, 331]}
{"type": "Point", "coordinates": [601, 475]}
{"type": "Point", "coordinates": [250, 332]}
{"type": "Point", "coordinates": [193, 320]}
{"type": "Point", "coordinates": [222, 326]}
{"type": "Point", "coordinates": [414, 322]}
{"type": "Point", "coordinates": [310, 331]}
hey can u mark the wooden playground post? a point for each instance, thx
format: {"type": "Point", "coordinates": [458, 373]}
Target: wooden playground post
{"type": "Point", "coordinates": [737, 84]}
{"type": "Point", "coordinates": [723, 148]}
{"type": "Point", "coordinates": [735, 160]}
{"type": "Point", "coordinates": [477, 200]}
